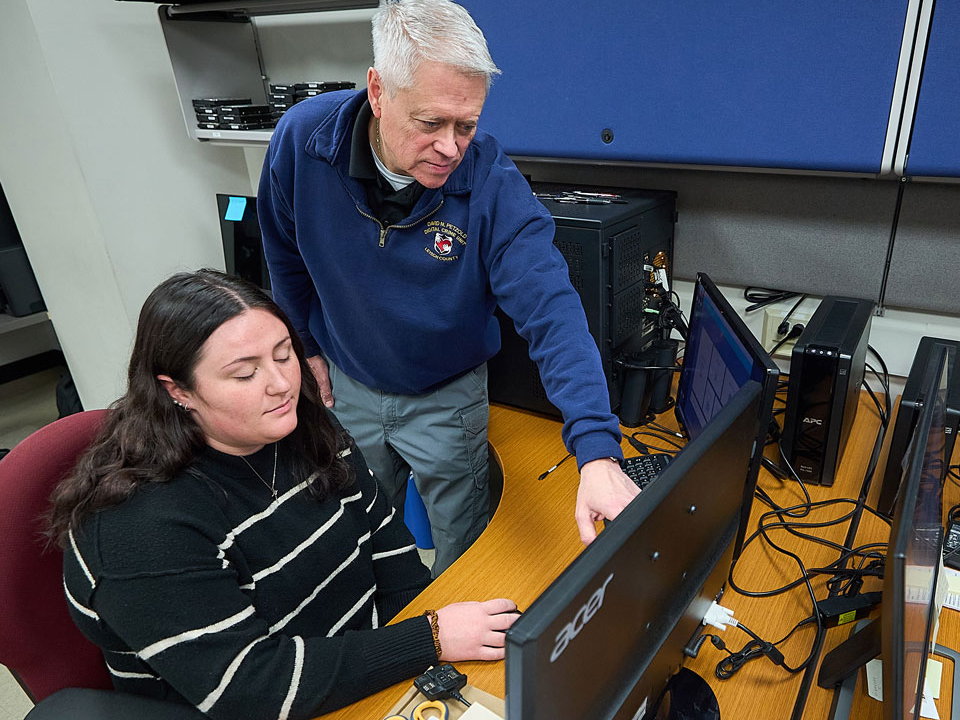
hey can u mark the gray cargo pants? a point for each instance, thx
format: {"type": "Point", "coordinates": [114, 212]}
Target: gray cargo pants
{"type": "Point", "coordinates": [441, 436]}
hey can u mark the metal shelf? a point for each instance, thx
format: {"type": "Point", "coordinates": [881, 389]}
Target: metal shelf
{"type": "Point", "coordinates": [9, 323]}
{"type": "Point", "coordinates": [253, 138]}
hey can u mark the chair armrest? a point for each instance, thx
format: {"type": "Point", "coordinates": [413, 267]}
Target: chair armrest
{"type": "Point", "coordinates": [85, 704]}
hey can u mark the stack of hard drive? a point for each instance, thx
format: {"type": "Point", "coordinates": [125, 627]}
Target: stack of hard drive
{"type": "Point", "coordinates": [232, 114]}
{"type": "Point", "coordinates": [284, 97]}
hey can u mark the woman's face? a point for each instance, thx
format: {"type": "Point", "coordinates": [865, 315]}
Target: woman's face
{"type": "Point", "coordinates": [247, 384]}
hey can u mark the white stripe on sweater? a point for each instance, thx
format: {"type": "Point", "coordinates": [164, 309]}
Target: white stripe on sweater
{"type": "Point", "coordinates": [80, 608]}
{"type": "Point", "coordinates": [231, 670]}
{"type": "Point", "coordinates": [83, 565]}
{"type": "Point", "coordinates": [319, 588]}
{"type": "Point", "coordinates": [132, 675]}
{"type": "Point", "coordinates": [314, 536]}
{"type": "Point", "coordinates": [158, 647]}
{"type": "Point", "coordinates": [351, 612]}
{"type": "Point", "coordinates": [376, 494]}
{"type": "Point", "coordinates": [263, 514]}
{"type": "Point", "coordinates": [391, 553]}
{"type": "Point", "coordinates": [294, 679]}
{"type": "Point", "coordinates": [386, 520]}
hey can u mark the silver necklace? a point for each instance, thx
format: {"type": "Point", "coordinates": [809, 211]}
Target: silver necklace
{"type": "Point", "coordinates": [272, 485]}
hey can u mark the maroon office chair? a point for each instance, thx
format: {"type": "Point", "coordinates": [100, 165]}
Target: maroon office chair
{"type": "Point", "coordinates": [38, 641]}
{"type": "Point", "coordinates": [55, 664]}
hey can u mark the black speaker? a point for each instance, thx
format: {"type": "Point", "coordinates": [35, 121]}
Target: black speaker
{"type": "Point", "coordinates": [606, 247]}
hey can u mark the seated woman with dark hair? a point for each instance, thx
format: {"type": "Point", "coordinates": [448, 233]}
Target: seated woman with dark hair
{"type": "Point", "coordinates": [226, 545]}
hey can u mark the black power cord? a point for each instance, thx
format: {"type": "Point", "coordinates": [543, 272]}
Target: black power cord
{"type": "Point", "coordinates": [794, 333]}
{"type": "Point", "coordinates": [784, 325]}
{"type": "Point", "coordinates": [760, 297]}
{"type": "Point", "coordinates": [755, 648]}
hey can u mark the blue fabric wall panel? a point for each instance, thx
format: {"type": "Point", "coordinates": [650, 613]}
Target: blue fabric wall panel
{"type": "Point", "coordinates": [935, 144]}
{"type": "Point", "coordinates": [774, 84]}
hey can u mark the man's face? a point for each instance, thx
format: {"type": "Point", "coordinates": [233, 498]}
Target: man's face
{"type": "Point", "coordinates": [425, 129]}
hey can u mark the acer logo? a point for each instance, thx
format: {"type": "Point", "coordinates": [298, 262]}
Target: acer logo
{"type": "Point", "coordinates": [813, 421]}
{"type": "Point", "coordinates": [583, 616]}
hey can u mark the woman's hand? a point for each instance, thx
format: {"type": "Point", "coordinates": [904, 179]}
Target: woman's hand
{"type": "Point", "coordinates": [475, 630]}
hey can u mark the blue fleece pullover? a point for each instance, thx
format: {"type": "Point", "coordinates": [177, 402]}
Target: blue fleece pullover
{"type": "Point", "coordinates": [407, 307]}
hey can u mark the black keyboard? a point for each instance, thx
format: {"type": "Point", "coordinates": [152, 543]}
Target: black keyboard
{"type": "Point", "coordinates": [644, 469]}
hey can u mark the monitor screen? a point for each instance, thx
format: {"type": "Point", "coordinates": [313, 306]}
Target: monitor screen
{"type": "Point", "coordinates": [913, 555]}
{"type": "Point", "coordinates": [720, 356]}
{"type": "Point", "coordinates": [240, 232]}
{"type": "Point", "coordinates": [603, 639]}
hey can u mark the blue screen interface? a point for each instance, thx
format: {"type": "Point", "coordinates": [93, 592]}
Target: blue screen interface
{"type": "Point", "coordinates": [715, 365]}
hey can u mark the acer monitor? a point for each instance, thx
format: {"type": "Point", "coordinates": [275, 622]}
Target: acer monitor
{"type": "Point", "coordinates": [604, 638]}
{"type": "Point", "coordinates": [903, 633]}
{"type": "Point", "coordinates": [721, 355]}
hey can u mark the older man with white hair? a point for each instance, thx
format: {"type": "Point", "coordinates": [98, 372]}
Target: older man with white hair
{"type": "Point", "coordinates": [392, 228]}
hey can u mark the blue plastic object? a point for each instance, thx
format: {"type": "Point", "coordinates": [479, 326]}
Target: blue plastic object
{"type": "Point", "coordinates": [415, 517]}
{"type": "Point", "coordinates": [235, 208]}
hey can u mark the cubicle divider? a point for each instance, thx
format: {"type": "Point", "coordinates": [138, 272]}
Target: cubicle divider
{"type": "Point", "coordinates": [777, 84]}
{"type": "Point", "coordinates": [935, 142]}
{"type": "Point", "coordinates": [925, 262]}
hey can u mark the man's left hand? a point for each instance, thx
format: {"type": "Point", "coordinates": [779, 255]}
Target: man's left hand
{"type": "Point", "coordinates": [605, 490]}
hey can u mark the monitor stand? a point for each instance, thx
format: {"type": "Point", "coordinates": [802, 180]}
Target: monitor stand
{"type": "Point", "coordinates": [839, 667]}
{"type": "Point", "coordinates": [687, 697]}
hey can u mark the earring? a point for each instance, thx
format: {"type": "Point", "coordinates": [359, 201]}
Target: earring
{"type": "Point", "coordinates": [182, 406]}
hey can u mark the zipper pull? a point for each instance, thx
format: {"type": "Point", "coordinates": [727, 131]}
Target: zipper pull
{"type": "Point", "coordinates": [383, 235]}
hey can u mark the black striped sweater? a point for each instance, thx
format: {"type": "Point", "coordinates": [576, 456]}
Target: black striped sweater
{"type": "Point", "coordinates": [208, 592]}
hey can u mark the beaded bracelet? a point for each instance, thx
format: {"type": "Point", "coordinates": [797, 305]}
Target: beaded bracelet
{"type": "Point", "coordinates": [435, 629]}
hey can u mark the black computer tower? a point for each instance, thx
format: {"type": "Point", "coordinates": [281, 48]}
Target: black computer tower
{"type": "Point", "coordinates": [606, 247]}
{"type": "Point", "coordinates": [242, 245]}
{"type": "Point", "coordinates": [910, 403]}
{"type": "Point", "coordinates": [826, 371]}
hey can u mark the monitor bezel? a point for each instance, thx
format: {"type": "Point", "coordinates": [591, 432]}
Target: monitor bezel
{"type": "Point", "coordinates": [893, 615]}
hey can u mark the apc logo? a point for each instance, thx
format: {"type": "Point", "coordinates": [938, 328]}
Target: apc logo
{"type": "Point", "coordinates": [583, 616]}
{"type": "Point", "coordinates": [813, 421]}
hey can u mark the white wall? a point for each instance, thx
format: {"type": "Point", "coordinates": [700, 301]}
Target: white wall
{"type": "Point", "coordinates": [109, 194]}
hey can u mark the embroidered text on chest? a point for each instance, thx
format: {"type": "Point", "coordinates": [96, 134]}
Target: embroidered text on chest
{"type": "Point", "coordinates": [445, 239]}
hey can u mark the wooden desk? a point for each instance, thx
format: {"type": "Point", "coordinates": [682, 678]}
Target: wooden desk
{"type": "Point", "coordinates": [532, 537]}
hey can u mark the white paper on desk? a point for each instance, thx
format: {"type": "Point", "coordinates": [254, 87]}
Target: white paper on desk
{"type": "Point", "coordinates": [931, 679]}
{"type": "Point", "coordinates": [928, 709]}
{"type": "Point", "coordinates": [476, 711]}
{"type": "Point", "coordinates": [874, 670]}
{"type": "Point", "coordinates": [952, 578]}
